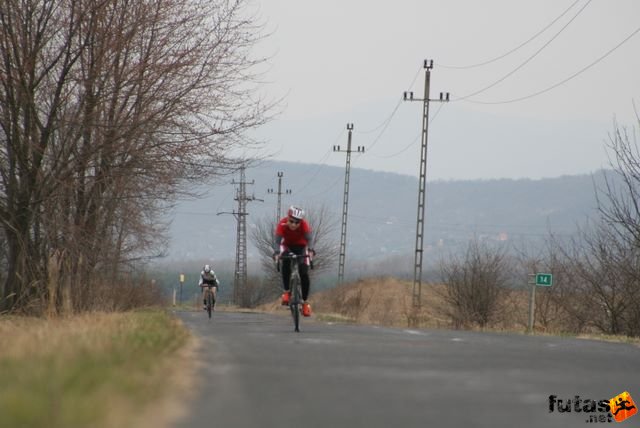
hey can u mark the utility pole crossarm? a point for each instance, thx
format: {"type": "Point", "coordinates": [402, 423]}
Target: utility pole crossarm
{"type": "Point", "coordinates": [233, 213]}
{"type": "Point", "coordinates": [280, 192]}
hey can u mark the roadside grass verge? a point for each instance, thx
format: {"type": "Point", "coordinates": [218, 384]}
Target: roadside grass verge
{"type": "Point", "coordinates": [93, 370]}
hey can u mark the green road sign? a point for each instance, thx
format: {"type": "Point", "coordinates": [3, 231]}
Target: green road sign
{"type": "Point", "coordinates": [545, 279]}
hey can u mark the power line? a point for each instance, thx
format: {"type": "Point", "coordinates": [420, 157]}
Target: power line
{"type": "Point", "coordinates": [386, 125]}
{"type": "Point", "coordinates": [503, 78]}
{"type": "Point", "coordinates": [574, 75]}
{"type": "Point", "coordinates": [408, 146]}
{"type": "Point", "coordinates": [510, 228]}
{"type": "Point", "coordinates": [327, 189]}
{"type": "Point", "coordinates": [464, 67]}
{"type": "Point", "coordinates": [320, 164]}
{"type": "Point", "coordinates": [386, 122]}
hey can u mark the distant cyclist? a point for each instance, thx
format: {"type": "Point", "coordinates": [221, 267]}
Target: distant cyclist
{"type": "Point", "coordinates": [293, 234]}
{"type": "Point", "coordinates": [208, 277]}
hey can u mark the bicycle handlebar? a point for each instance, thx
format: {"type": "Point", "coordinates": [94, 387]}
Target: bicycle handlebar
{"type": "Point", "coordinates": [290, 255]}
{"type": "Point", "coordinates": [208, 285]}
{"type": "Point", "coordinates": [293, 256]}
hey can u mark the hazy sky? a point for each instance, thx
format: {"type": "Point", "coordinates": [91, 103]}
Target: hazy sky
{"type": "Point", "coordinates": [349, 61]}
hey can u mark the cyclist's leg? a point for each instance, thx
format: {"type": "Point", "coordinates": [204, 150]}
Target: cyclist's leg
{"type": "Point", "coordinates": [286, 273]}
{"type": "Point", "coordinates": [303, 269]}
{"type": "Point", "coordinates": [305, 282]}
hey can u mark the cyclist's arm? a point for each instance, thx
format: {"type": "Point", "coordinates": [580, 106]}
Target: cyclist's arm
{"type": "Point", "coordinates": [277, 243]}
{"type": "Point", "coordinates": [308, 234]}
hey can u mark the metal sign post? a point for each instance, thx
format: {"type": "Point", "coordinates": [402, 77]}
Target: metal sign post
{"type": "Point", "coordinates": [536, 279]}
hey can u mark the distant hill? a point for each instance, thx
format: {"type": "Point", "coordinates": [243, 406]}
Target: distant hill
{"type": "Point", "coordinates": [383, 208]}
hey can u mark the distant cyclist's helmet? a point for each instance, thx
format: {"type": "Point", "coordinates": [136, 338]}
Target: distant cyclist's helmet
{"type": "Point", "coordinates": [207, 268]}
{"type": "Point", "coordinates": [296, 213]}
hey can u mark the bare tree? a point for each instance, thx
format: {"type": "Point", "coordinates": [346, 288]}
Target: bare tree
{"type": "Point", "coordinates": [108, 109]}
{"type": "Point", "coordinates": [323, 229]}
{"type": "Point", "coordinates": [612, 265]}
{"type": "Point", "coordinates": [619, 199]}
{"type": "Point", "coordinates": [604, 292]}
{"type": "Point", "coordinates": [474, 283]}
{"type": "Point", "coordinates": [559, 307]}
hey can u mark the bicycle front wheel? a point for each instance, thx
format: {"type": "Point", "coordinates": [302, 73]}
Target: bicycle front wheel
{"type": "Point", "coordinates": [209, 303]}
{"type": "Point", "coordinates": [296, 301]}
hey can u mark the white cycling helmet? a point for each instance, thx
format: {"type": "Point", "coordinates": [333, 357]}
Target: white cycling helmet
{"type": "Point", "coordinates": [296, 213]}
{"type": "Point", "coordinates": [207, 269]}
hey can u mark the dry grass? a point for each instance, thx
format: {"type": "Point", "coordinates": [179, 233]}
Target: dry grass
{"type": "Point", "coordinates": [38, 337]}
{"type": "Point", "coordinates": [378, 301]}
{"type": "Point", "coordinates": [382, 301]}
{"type": "Point", "coordinates": [98, 369]}
{"type": "Point", "coordinates": [388, 302]}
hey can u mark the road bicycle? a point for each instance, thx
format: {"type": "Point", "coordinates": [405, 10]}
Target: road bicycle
{"type": "Point", "coordinates": [209, 298]}
{"type": "Point", "coordinates": [295, 300]}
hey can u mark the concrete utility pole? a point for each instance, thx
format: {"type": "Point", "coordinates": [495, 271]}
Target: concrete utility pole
{"type": "Point", "coordinates": [345, 201]}
{"type": "Point", "coordinates": [240, 276]}
{"type": "Point", "coordinates": [279, 193]}
{"type": "Point", "coordinates": [422, 182]}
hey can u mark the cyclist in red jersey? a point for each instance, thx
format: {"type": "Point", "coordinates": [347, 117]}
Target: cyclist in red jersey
{"type": "Point", "coordinates": [293, 233]}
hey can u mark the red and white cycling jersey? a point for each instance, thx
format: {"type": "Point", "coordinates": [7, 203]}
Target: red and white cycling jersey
{"type": "Point", "coordinates": [298, 237]}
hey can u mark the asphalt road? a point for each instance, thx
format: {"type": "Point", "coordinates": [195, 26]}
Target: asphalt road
{"type": "Point", "coordinates": [262, 374]}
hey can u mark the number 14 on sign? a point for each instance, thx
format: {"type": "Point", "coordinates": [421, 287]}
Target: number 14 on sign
{"type": "Point", "coordinates": [544, 279]}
